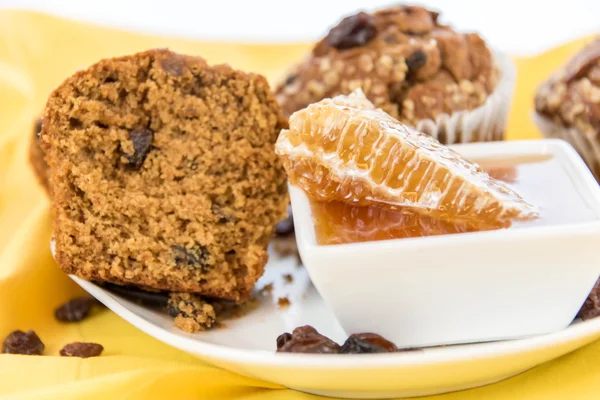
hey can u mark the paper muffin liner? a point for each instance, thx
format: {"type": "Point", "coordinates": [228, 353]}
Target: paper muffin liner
{"type": "Point", "coordinates": [485, 123]}
{"type": "Point", "coordinates": [586, 145]}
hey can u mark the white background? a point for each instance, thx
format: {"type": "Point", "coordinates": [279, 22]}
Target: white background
{"type": "Point", "coordinates": [515, 26]}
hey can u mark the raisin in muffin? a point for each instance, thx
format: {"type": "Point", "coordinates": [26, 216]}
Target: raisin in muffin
{"type": "Point", "coordinates": [568, 105]}
{"type": "Point", "coordinates": [413, 67]}
{"type": "Point", "coordinates": [36, 157]}
{"type": "Point", "coordinates": [163, 174]}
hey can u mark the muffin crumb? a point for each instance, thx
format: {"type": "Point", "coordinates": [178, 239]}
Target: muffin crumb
{"type": "Point", "coordinates": [191, 312]}
{"type": "Point", "coordinates": [267, 289]}
{"type": "Point", "coordinates": [283, 302]}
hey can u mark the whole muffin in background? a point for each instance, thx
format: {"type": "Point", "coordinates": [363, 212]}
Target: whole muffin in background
{"type": "Point", "coordinates": [568, 105]}
{"type": "Point", "coordinates": [163, 174]}
{"type": "Point", "coordinates": [408, 64]}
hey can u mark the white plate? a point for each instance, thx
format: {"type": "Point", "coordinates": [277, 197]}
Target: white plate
{"type": "Point", "coordinates": [247, 346]}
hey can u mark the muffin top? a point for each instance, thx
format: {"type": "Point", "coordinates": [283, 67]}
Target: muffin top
{"type": "Point", "coordinates": [572, 95]}
{"type": "Point", "coordinates": [405, 61]}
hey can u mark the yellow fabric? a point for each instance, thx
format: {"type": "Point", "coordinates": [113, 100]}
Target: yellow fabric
{"type": "Point", "coordinates": [36, 53]}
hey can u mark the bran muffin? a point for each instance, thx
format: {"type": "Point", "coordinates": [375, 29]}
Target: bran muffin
{"type": "Point", "coordinates": [408, 64]}
{"type": "Point", "coordinates": [36, 157]}
{"type": "Point", "coordinates": [568, 105]}
{"type": "Point", "coordinates": [164, 174]}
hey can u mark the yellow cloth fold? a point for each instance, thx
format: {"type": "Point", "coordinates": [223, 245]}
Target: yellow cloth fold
{"type": "Point", "coordinates": [36, 53]}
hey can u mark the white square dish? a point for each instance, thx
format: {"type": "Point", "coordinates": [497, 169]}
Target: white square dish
{"type": "Point", "coordinates": [468, 287]}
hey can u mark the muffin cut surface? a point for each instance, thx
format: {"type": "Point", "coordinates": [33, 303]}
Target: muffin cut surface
{"type": "Point", "coordinates": [164, 174]}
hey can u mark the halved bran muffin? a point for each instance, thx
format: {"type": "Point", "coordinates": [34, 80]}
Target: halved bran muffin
{"type": "Point", "coordinates": [164, 174]}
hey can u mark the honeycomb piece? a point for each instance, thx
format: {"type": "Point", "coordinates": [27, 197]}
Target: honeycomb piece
{"type": "Point", "coordinates": [344, 149]}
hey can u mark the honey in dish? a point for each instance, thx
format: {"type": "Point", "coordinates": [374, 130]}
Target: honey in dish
{"type": "Point", "coordinates": [540, 179]}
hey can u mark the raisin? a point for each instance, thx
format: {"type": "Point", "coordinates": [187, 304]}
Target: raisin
{"type": "Point", "coordinates": [286, 226]}
{"type": "Point", "coordinates": [37, 129]}
{"type": "Point", "coordinates": [143, 297]}
{"type": "Point", "coordinates": [19, 342]}
{"type": "Point", "coordinates": [353, 31]}
{"type": "Point", "coordinates": [306, 339]}
{"type": "Point", "coordinates": [591, 308]}
{"type": "Point", "coordinates": [416, 60]}
{"type": "Point", "coordinates": [283, 339]}
{"type": "Point", "coordinates": [194, 257]}
{"type": "Point", "coordinates": [142, 143]}
{"type": "Point", "coordinates": [83, 350]}
{"type": "Point", "coordinates": [74, 310]}
{"type": "Point", "coordinates": [364, 343]}
{"type": "Point", "coordinates": [173, 65]}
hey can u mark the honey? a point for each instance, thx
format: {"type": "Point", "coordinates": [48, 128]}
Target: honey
{"type": "Point", "coordinates": [540, 179]}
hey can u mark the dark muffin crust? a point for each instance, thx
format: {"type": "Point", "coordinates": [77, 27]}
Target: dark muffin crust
{"type": "Point", "coordinates": [163, 174]}
{"type": "Point", "coordinates": [405, 61]}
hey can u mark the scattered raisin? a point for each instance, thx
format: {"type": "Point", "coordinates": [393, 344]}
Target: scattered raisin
{"type": "Point", "coordinates": [193, 257]}
{"type": "Point", "coordinates": [306, 339]}
{"type": "Point", "coordinates": [352, 31]}
{"type": "Point", "coordinates": [288, 278]}
{"type": "Point", "coordinates": [142, 143]}
{"type": "Point", "coordinates": [364, 343]}
{"type": "Point", "coordinates": [83, 350]}
{"type": "Point", "coordinates": [19, 342]}
{"type": "Point", "coordinates": [74, 310]}
{"type": "Point", "coordinates": [416, 60]}
{"type": "Point", "coordinates": [591, 308]}
{"type": "Point", "coordinates": [143, 297]}
{"type": "Point", "coordinates": [283, 339]}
